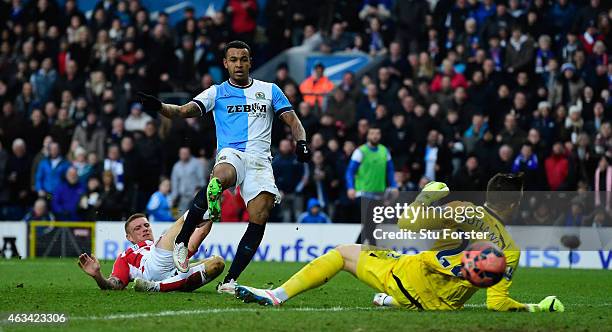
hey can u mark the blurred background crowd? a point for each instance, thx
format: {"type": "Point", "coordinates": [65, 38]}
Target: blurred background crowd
{"type": "Point", "coordinates": [467, 89]}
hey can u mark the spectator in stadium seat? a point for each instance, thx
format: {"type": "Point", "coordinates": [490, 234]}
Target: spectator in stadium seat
{"type": "Point", "coordinates": [396, 63]}
{"type": "Point", "coordinates": [387, 86]}
{"type": "Point", "coordinates": [487, 150]}
{"type": "Point", "coordinates": [90, 135]}
{"type": "Point", "coordinates": [291, 177]}
{"type": "Point", "coordinates": [410, 19]}
{"type": "Point", "coordinates": [322, 178]}
{"type": "Point", "coordinates": [366, 107]}
{"type": "Point", "coordinates": [543, 122]}
{"type": "Point", "coordinates": [504, 161]}
{"type": "Point", "coordinates": [528, 163]}
{"type": "Point", "coordinates": [18, 169]}
{"type": "Point", "coordinates": [315, 87]}
{"type": "Point", "coordinates": [150, 156]}
{"type": "Point", "coordinates": [114, 164]}
{"type": "Point", "coordinates": [62, 130]}
{"type": "Point", "coordinates": [447, 70]}
{"type": "Point", "coordinates": [342, 108]}
{"type": "Point", "coordinates": [282, 76]}
{"type": "Point", "coordinates": [557, 168]}
{"type": "Point", "coordinates": [474, 133]}
{"type": "Point", "coordinates": [65, 200]}
{"type": "Point", "coordinates": [574, 125]}
{"type": "Point", "coordinates": [187, 175]}
{"type": "Point", "coordinates": [160, 204]}
{"type": "Point", "coordinates": [137, 120]}
{"type": "Point", "coordinates": [399, 140]}
{"type": "Point", "coordinates": [603, 140]}
{"type": "Point", "coordinates": [511, 134]}
{"type": "Point", "coordinates": [590, 37]}
{"type": "Point", "coordinates": [51, 171]}
{"type": "Point", "coordinates": [381, 9]}
{"type": "Point", "coordinates": [84, 170]}
{"type": "Point", "coordinates": [376, 37]}
{"type": "Point", "coordinates": [573, 216]}
{"type": "Point", "coordinates": [11, 124]}
{"type": "Point", "coordinates": [567, 90]}
{"type": "Point", "coordinates": [117, 132]}
{"type": "Point", "coordinates": [242, 15]}
{"type": "Point", "coordinates": [470, 177]}
{"type": "Point", "coordinates": [26, 101]}
{"type": "Point", "coordinates": [89, 202]}
{"type": "Point", "coordinates": [71, 80]}
{"type": "Point", "coordinates": [39, 212]}
{"type": "Point", "coordinates": [131, 164]}
{"type": "Point", "coordinates": [599, 218]}
{"type": "Point", "coordinates": [36, 129]}
{"type": "Point", "coordinates": [112, 202]}
{"type": "Point", "coordinates": [519, 52]}
{"type": "Point", "coordinates": [43, 81]}
{"type": "Point", "coordinates": [597, 119]}
{"type": "Point", "coordinates": [540, 148]}
{"type": "Point", "coordinates": [309, 120]}
{"type": "Point", "coordinates": [313, 214]}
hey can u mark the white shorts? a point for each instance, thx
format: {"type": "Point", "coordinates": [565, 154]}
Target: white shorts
{"type": "Point", "coordinates": [159, 265]}
{"type": "Point", "coordinates": [253, 173]}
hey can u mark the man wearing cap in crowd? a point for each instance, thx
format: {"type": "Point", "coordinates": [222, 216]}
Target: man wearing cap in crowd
{"type": "Point", "coordinates": [567, 90]}
{"type": "Point", "coordinates": [137, 120]}
{"type": "Point", "coordinates": [313, 214]}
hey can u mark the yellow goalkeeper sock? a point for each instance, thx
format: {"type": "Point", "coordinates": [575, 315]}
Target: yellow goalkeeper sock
{"type": "Point", "coordinates": [313, 275]}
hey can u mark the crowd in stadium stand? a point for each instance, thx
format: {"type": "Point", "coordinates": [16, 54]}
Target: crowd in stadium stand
{"type": "Point", "coordinates": [467, 89]}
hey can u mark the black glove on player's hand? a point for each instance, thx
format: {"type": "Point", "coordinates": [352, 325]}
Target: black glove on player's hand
{"type": "Point", "coordinates": [302, 151]}
{"type": "Point", "coordinates": [149, 102]}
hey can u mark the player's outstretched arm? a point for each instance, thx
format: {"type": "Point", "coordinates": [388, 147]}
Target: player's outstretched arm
{"type": "Point", "coordinates": [170, 111]}
{"type": "Point", "coordinates": [418, 216]}
{"type": "Point", "coordinates": [299, 135]}
{"type": "Point", "coordinates": [91, 266]}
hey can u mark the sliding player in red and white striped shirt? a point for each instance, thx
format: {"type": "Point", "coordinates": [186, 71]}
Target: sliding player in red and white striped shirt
{"type": "Point", "coordinates": [150, 263]}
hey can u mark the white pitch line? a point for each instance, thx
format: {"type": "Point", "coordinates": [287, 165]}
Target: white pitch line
{"type": "Point", "coordinates": [245, 310]}
{"type": "Point", "coordinates": [217, 311]}
{"type": "Point", "coordinates": [598, 305]}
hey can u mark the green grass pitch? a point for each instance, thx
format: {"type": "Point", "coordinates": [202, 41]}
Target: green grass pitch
{"type": "Point", "coordinates": [344, 304]}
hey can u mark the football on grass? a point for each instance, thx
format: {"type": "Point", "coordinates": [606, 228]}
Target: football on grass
{"type": "Point", "coordinates": [483, 264]}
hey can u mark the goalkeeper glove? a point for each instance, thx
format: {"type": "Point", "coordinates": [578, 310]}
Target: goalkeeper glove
{"type": "Point", "coordinates": [549, 304]}
{"type": "Point", "coordinates": [432, 192]}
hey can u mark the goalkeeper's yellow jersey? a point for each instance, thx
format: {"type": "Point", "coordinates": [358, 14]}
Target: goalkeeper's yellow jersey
{"type": "Point", "coordinates": [441, 264]}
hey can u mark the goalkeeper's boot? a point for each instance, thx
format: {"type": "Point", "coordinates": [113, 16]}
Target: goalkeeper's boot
{"type": "Point", "coordinates": [227, 287]}
{"type": "Point", "coordinates": [432, 192]}
{"type": "Point", "coordinates": [142, 285]}
{"type": "Point", "coordinates": [549, 304]}
{"type": "Point", "coordinates": [180, 256]}
{"type": "Point", "coordinates": [213, 195]}
{"type": "Point", "coordinates": [260, 296]}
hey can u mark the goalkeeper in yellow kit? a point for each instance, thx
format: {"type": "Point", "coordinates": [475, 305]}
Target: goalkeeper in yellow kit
{"type": "Point", "coordinates": [429, 280]}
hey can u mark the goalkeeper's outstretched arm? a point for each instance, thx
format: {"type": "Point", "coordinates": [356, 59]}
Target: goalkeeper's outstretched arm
{"type": "Point", "coordinates": [91, 266]}
{"type": "Point", "coordinates": [415, 217]}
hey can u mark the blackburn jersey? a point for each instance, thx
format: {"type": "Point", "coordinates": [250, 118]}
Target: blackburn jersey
{"type": "Point", "coordinates": [243, 115]}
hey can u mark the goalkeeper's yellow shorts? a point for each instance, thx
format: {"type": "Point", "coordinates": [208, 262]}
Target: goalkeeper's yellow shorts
{"type": "Point", "coordinates": [404, 277]}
